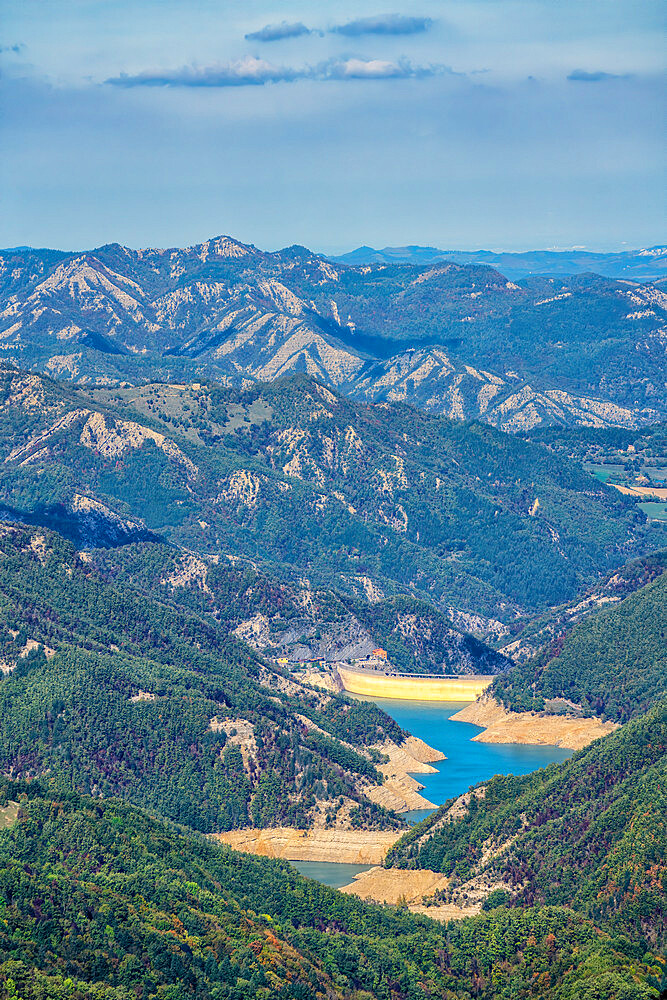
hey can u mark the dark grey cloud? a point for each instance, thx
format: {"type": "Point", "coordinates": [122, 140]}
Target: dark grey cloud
{"type": "Point", "coordinates": [276, 32]}
{"type": "Point", "coordinates": [384, 24]}
{"type": "Point", "coordinates": [250, 71]}
{"type": "Point", "coordinates": [584, 76]}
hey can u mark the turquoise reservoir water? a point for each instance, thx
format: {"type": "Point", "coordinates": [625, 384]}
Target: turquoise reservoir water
{"type": "Point", "coordinates": [329, 872]}
{"type": "Point", "coordinates": [467, 763]}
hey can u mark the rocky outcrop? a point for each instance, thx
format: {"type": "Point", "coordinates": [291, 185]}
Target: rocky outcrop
{"type": "Point", "coordinates": [412, 756]}
{"type": "Point", "coordinates": [7, 665]}
{"type": "Point", "coordinates": [112, 438]}
{"type": "Point", "coordinates": [400, 791]}
{"type": "Point", "coordinates": [319, 679]}
{"type": "Point", "coordinates": [431, 379]}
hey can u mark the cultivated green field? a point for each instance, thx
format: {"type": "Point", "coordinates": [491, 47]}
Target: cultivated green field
{"type": "Point", "coordinates": [605, 472]}
{"type": "Point", "coordinates": [654, 510]}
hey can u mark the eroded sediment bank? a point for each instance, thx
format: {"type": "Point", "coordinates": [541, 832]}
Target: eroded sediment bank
{"type": "Point", "coordinates": [345, 846]}
{"type": "Point", "coordinates": [503, 726]}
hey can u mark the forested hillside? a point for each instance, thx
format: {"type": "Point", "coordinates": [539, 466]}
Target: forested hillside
{"type": "Point", "coordinates": [611, 664]}
{"type": "Point", "coordinates": [283, 617]}
{"type": "Point", "coordinates": [589, 834]}
{"type": "Point", "coordinates": [120, 694]}
{"type": "Point", "coordinates": [371, 500]}
{"type": "Point", "coordinates": [645, 447]}
{"type": "Point", "coordinates": [529, 639]}
{"type": "Point", "coordinates": [101, 902]}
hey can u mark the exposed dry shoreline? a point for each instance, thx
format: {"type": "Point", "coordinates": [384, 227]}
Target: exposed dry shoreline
{"type": "Point", "coordinates": [503, 726]}
{"type": "Point", "coordinates": [400, 790]}
{"type": "Point", "coordinates": [396, 885]}
{"type": "Point", "coordinates": [415, 887]}
{"type": "Point", "coordinates": [361, 847]}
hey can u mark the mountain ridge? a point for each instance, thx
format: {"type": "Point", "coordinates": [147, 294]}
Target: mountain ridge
{"type": "Point", "coordinates": [458, 339]}
{"type": "Point", "coordinates": [379, 491]}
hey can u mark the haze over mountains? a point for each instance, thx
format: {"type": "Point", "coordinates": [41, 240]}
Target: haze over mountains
{"type": "Point", "coordinates": [459, 339]}
{"type": "Point", "coordinates": [649, 264]}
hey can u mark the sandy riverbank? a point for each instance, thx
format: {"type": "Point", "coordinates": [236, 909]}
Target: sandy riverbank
{"type": "Point", "coordinates": [503, 726]}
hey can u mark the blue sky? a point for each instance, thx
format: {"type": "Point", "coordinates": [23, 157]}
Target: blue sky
{"type": "Point", "coordinates": [467, 123]}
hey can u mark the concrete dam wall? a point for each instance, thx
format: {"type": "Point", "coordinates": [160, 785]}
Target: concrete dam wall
{"type": "Point", "coordinates": [413, 687]}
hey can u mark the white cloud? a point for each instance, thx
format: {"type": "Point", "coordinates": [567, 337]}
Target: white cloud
{"type": "Point", "coordinates": [250, 71]}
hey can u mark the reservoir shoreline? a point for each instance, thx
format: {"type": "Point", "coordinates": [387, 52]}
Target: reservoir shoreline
{"type": "Point", "coordinates": [437, 740]}
{"type": "Point", "coordinates": [531, 728]}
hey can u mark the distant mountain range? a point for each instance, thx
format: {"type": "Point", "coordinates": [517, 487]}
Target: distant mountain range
{"type": "Point", "coordinates": [459, 339]}
{"type": "Point", "coordinates": [637, 265]}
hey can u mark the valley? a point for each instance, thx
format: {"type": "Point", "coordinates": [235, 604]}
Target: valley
{"type": "Point", "coordinates": [333, 501]}
{"type": "Point", "coordinates": [270, 626]}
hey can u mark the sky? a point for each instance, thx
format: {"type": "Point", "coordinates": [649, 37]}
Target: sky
{"type": "Point", "coordinates": [499, 124]}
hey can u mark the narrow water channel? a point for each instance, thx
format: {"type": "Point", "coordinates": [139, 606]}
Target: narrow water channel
{"type": "Point", "coordinates": [467, 764]}
{"type": "Point", "coordinates": [329, 872]}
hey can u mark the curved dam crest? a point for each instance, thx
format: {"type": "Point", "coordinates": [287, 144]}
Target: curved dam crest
{"type": "Point", "coordinates": [413, 687]}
